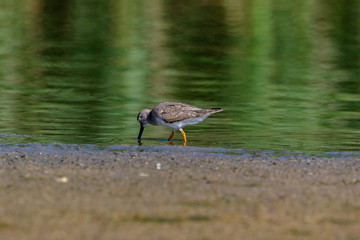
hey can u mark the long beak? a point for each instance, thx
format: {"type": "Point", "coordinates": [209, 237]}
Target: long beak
{"type": "Point", "coordinates": [141, 131]}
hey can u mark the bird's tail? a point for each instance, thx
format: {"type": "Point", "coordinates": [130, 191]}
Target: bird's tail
{"type": "Point", "coordinates": [217, 109]}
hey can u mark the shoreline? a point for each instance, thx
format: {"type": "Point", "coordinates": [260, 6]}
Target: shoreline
{"type": "Point", "coordinates": [142, 194]}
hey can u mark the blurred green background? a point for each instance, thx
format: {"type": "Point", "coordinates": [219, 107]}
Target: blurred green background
{"type": "Point", "coordinates": [287, 73]}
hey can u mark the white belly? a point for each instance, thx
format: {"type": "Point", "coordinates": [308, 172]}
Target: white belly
{"type": "Point", "coordinates": [181, 124]}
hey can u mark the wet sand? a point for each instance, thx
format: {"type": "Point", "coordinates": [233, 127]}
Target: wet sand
{"type": "Point", "coordinates": [145, 194]}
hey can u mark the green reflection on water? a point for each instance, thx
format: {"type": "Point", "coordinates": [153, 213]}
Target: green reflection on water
{"type": "Point", "coordinates": [286, 72]}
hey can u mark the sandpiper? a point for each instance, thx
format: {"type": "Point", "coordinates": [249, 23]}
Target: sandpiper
{"type": "Point", "coordinates": [173, 115]}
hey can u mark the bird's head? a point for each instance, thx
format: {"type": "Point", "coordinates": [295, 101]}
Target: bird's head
{"type": "Point", "coordinates": [142, 119]}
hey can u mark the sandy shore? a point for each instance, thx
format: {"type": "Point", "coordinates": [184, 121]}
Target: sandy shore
{"type": "Point", "coordinates": [146, 194]}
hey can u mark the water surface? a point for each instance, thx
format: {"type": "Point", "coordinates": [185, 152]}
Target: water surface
{"type": "Point", "coordinates": [286, 72]}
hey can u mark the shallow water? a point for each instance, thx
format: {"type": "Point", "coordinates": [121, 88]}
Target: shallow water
{"type": "Point", "coordinates": [85, 150]}
{"type": "Point", "coordinates": [286, 73]}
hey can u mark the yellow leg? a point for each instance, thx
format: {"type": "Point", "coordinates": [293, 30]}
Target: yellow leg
{"type": "Point", "coordinates": [184, 136]}
{"type": "Point", "coordinates": [171, 136]}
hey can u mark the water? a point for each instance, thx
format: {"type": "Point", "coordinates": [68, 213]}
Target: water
{"type": "Point", "coordinates": [286, 72]}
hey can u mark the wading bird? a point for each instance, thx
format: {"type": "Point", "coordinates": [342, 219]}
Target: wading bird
{"type": "Point", "coordinates": [173, 115]}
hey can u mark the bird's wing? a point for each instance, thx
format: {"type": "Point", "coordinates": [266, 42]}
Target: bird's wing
{"type": "Point", "coordinates": [174, 112]}
{"type": "Point", "coordinates": [181, 115]}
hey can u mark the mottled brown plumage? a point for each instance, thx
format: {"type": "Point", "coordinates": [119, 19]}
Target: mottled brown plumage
{"type": "Point", "coordinates": [174, 115]}
{"type": "Point", "coordinates": [175, 112]}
